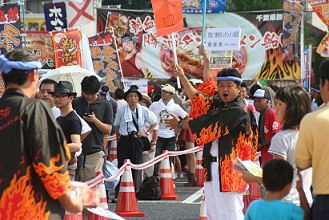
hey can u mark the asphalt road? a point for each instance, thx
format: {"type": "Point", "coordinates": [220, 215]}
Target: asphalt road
{"type": "Point", "coordinates": [187, 207]}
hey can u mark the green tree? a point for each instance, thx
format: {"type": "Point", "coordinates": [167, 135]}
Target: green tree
{"type": "Point", "coordinates": [252, 5]}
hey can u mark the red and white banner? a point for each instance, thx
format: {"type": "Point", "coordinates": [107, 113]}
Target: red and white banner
{"type": "Point", "coordinates": [79, 12]}
{"type": "Point", "coordinates": [67, 48]}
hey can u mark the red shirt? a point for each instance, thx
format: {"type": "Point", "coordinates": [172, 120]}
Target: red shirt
{"type": "Point", "coordinates": [271, 127]}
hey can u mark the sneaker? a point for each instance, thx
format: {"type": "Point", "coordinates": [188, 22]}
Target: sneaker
{"type": "Point", "coordinates": [180, 175]}
{"type": "Point", "coordinates": [174, 176]}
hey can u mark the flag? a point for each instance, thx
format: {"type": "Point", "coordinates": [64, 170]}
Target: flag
{"type": "Point", "coordinates": [321, 9]}
{"type": "Point", "coordinates": [79, 12]}
{"type": "Point", "coordinates": [323, 48]}
{"type": "Point", "coordinates": [67, 48]}
{"type": "Point", "coordinates": [105, 58]}
{"type": "Point", "coordinates": [292, 18]}
{"type": "Point", "coordinates": [55, 16]}
{"type": "Point", "coordinates": [168, 16]}
{"type": "Point", "coordinates": [10, 26]}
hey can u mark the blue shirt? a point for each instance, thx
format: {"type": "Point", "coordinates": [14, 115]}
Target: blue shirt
{"type": "Point", "coordinates": [126, 127]}
{"type": "Point", "coordinates": [273, 210]}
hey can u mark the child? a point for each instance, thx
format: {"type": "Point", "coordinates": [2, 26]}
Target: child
{"type": "Point", "coordinates": [277, 179]}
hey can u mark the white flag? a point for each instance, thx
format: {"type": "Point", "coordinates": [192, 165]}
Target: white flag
{"type": "Point", "coordinates": [79, 12]}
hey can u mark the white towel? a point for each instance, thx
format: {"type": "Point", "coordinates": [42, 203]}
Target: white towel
{"type": "Point", "coordinates": [129, 117]}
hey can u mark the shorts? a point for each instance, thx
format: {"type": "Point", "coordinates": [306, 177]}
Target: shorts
{"type": "Point", "coordinates": [186, 135]}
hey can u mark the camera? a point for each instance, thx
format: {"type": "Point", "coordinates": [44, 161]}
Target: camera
{"type": "Point", "coordinates": [133, 134]}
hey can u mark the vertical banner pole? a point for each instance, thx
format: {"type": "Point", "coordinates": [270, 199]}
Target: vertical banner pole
{"type": "Point", "coordinates": [175, 56]}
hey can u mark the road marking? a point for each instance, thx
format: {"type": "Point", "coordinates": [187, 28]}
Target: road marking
{"type": "Point", "coordinates": [194, 197]}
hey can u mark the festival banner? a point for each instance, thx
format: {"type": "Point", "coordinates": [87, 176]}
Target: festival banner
{"type": "Point", "coordinates": [66, 47]}
{"type": "Point", "coordinates": [323, 47]}
{"type": "Point", "coordinates": [196, 6]}
{"type": "Point", "coordinates": [260, 54]}
{"type": "Point", "coordinates": [292, 17]}
{"type": "Point", "coordinates": [79, 12]}
{"type": "Point", "coordinates": [10, 26]}
{"type": "Point", "coordinates": [55, 15]}
{"type": "Point", "coordinates": [40, 44]}
{"type": "Point", "coordinates": [168, 16]}
{"type": "Point", "coordinates": [105, 59]}
{"type": "Point", "coordinates": [321, 9]}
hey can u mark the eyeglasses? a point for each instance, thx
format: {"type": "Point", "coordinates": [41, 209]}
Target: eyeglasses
{"type": "Point", "coordinates": [59, 96]}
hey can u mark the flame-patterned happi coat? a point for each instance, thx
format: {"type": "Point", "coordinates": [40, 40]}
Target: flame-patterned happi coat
{"type": "Point", "coordinates": [33, 162]}
{"type": "Point", "coordinates": [232, 124]}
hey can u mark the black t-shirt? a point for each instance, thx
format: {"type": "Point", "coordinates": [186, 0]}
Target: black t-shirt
{"type": "Point", "coordinates": [104, 112]}
{"type": "Point", "coordinates": [70, 124]}
{"type": "Point", "coordinates": [33, 170]}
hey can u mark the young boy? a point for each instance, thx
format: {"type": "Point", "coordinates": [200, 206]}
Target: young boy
{"type": "Point", "coordinates": [277, 179]}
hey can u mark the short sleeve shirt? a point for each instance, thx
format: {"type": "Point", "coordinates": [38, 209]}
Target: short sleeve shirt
{"type": "Point", "coordinates": [70, 125]}
{"type": "Point", "coordinates": [273, 210]}
{"type": "Point", "coordinates": [33, 165]}
{"type": "Point", "coordinates": [104, 112]}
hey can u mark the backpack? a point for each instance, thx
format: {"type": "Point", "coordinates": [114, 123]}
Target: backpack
{"type": "Point", "coordinates": [150, 189]}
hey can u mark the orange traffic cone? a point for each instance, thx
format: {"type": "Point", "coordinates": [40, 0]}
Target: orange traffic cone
{"type": "Point", "coordinates": [102, 201]}
{"type": "Point", "coordinates": [199, 169]}
{"type": "Point", "coordinates": [166, 182]}
{"type": "Point", "coordinates": [127, 205]}
{"type": "Point", "coordinates": [203, 212]}
{"type": "Point", "coordinates": [73, 216]}
{"type": "Point", "coordinates": [113, 150]}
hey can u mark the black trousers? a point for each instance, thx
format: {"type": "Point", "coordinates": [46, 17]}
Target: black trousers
{"type": "Point", "coordinates": [132, 149]}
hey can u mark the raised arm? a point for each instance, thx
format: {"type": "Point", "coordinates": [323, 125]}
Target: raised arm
{"type": "Point", "coordinates": [189, 89]}
{"type": "Point", "coordinates": [206, 64]}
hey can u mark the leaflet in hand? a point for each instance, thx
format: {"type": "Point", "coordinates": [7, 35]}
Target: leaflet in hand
{"type": "Point", "coordinates": [247, 165]}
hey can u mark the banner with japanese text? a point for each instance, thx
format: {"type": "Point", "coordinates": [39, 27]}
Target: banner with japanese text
{"type": "Point", "coordinates": [105, 59]}
{"type": "Point", "coordinates": [55, 15]}
{"type": "Point", "coordinates": [323, 47]}
{"type": "Point", "coordinates": [292, 18]}
{"type": "Point", "coordinates": [143, 54]}
{"type": "Point", "coordinates": [66, 47]}
{"type": "Point", "coordinates": [196, 6]}
{"type": "Point", "coordinates": [321, 9]}
{"type": "Point", "coordinates": [10, 26]}
{"type": "Point", "coordinates": [40, 44]}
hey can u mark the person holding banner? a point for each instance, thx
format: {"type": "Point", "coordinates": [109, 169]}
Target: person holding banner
{"type": "Point", "coordinates": [228, 130]}
{"type": "Point", "coordinates": [34, 174]}
{"type": "Point", "coordinates": [133, 64]}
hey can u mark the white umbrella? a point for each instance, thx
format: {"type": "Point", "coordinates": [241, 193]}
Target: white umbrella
{"type": "Point", "coordinates": [73, 74]}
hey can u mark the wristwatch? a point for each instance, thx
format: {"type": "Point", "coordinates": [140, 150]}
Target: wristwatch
{"type": "Point", "coordinates": [147, 133]}
{"type": "Point", "coordinates": [179, 125]}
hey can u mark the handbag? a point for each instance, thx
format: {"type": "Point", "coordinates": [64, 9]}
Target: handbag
{"type": "Point", "coordinates": [145, 141]}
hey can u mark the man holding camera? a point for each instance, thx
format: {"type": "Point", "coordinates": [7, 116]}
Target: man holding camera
{"type": "Point", "coordinates": [129, 122]}
{"type": "Point", "coordinates": [98, 113]}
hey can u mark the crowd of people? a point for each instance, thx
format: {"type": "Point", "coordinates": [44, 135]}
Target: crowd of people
{"type": "Point", "coordinates": [65, 139]}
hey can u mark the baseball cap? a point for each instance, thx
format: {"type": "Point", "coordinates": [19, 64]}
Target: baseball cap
{"type": "Point", "coordinates": [261, 93]}
{"type": "Point", "coordinates": [168, 88]}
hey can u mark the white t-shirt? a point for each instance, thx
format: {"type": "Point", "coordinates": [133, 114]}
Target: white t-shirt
{"type": "Point", "coordinates": [162, 112]}
{"type": "Point", "coordinates": [283, 144]}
